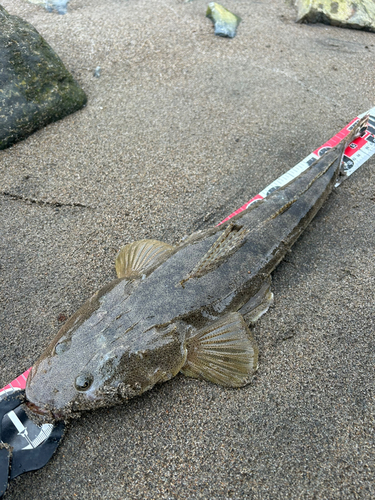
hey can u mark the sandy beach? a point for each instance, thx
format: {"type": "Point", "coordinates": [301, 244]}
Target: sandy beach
{"type": "Point", "coordinates": [181, 129]}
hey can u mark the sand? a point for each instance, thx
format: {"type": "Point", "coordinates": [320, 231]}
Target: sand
{"type": "Point", "coordinates": [182, 128]}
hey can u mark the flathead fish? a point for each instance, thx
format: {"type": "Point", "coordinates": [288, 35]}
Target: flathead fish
{"type": "Point", "coordinates": [180, 309]}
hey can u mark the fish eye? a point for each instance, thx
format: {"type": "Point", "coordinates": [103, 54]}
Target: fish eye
{"type": "Point", "coordinates": [83, 382]}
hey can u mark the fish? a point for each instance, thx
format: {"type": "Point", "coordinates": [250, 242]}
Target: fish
{"type": "Point", "coordinates": [180, 309]}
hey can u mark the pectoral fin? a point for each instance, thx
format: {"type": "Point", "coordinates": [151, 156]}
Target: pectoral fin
{"type": "Point", "coordinates": [134, 259]}
{"type": "Point", "coordinates": [224, 353]}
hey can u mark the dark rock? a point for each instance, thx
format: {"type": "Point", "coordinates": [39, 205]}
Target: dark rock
{"type": "Point", "coordinates": [35, 87]}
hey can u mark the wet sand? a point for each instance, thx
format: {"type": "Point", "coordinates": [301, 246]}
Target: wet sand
{"type": "Point", "coordinates": [182, 128]}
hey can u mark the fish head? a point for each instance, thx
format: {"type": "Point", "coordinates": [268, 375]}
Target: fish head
{"type": "Point", "coordinates": [78, 372]}
{"type": "Point", "coordinates": [69, 378]}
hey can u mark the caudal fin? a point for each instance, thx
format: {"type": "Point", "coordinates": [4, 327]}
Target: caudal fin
{"type": "Point", "coordinates": [358, 130]}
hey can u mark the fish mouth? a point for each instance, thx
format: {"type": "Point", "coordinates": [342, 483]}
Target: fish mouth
{"type": "Point", "coordinates": [42, 413]}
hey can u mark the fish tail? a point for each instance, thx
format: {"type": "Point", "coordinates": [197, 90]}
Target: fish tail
{"type": "Point", "coordinates": [358, 130]}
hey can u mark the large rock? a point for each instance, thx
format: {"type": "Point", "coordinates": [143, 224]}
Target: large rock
{"type": "Point", "coordinates": [344, 13]}
{"type": "Point", "coordinates": [35, 87]}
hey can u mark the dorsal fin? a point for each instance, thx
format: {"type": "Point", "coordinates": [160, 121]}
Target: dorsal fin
{"type": "Point", "coordinates": [134, 259]}
{"type": "Point", "coordinates": [227, 243]}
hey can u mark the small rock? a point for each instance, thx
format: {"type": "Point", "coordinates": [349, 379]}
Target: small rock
{"type": "Point", "coordinates": [35, 87]}
{"type": "Point", "coordinates": [97, 72]}
{"type": "Point", "coordinates": [38, 2]}
{"type": "Point", "coordinates": [343, 13]}
{"type": "Point", "coordinates": [224, 21]}
{"type": "Point", "coordinates": [61, 318]}
{"type": "Point", "coordinates": [61, 6]}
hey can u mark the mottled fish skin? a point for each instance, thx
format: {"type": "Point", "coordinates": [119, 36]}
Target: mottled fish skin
{"type": "Point", "coordinates": [145, 328]}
